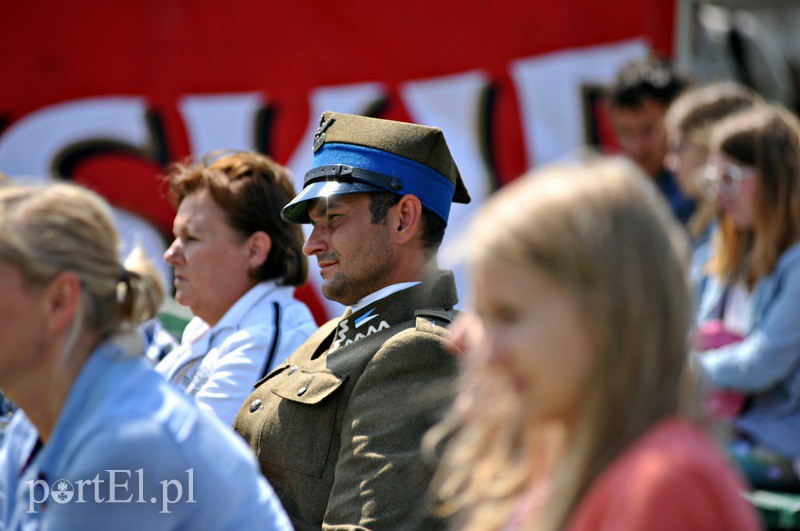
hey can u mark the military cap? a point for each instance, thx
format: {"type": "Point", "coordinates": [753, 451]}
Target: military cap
{"type": "Point", "coordinates": [356, 155]}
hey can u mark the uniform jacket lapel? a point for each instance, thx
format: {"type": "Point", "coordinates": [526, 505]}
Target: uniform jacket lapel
{"type": "Point", "coordinates": [395, 309]}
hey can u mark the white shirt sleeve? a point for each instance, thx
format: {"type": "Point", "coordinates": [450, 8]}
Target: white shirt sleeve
{"type": "Point", "coordinates": [224, 384]}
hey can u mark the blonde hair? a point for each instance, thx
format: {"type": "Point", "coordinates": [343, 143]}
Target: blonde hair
{"type": "Point", "coordinates": [601, 230]}
{"type": "Point", "coordinates": [766, 137]}
{"type": "Point", "coordinates": [47, 230]}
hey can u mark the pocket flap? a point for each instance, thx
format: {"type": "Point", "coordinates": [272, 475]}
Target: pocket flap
{"type": "Point", "coordinates": [274, 372]}
{"type": "Point", "coordinates": [309, 387]}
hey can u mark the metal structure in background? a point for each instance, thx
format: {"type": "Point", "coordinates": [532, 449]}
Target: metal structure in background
{"type": "Point", "coordinates": [754, 42]}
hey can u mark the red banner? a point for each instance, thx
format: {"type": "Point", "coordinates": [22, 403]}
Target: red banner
{"type": "Point", "coordinates": [106, 93]}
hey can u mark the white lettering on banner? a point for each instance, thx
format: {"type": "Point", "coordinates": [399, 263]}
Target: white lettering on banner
{"type": "Point", "coordinates": [549, 91]}
{"type": "Point", "coordinates": [221, 121]}
{"type": "Point", "coordinates": [548, 88]}
{"type": "Point", "coordinates": [33, 145]}
{"type": "Point", "coordinates": [457, 104]}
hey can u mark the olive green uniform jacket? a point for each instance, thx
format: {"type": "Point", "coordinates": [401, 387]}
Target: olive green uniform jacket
{"type": "Point", "coordinates": [337, 431]}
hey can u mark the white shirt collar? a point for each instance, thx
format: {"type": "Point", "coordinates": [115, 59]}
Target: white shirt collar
{"type": "Point", "coordinates": [380, 294]}
{"type": "Point", "coordinates": [197, 327]}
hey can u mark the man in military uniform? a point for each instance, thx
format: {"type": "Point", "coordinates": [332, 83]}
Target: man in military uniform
{"type": "Point", "coordinates": [337, 428]}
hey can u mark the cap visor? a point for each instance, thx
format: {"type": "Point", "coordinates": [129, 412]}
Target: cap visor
{"type": "Point", "coordinates": [297, 209]}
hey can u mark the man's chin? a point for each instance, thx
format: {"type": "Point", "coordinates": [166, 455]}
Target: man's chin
{"type": "Point", "coordinates": [330, 291]}
{"type": "Point", "coordinates": [337, 292]}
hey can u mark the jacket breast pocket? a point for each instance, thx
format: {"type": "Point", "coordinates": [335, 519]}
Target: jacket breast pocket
{"type": "Point", "coordinates": [298, 436]}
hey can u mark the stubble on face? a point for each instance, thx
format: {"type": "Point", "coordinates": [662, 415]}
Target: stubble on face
{"type": "Point", "coordinates": [349, 289]}
{"type": "Point", "coordinates": [359, 249]}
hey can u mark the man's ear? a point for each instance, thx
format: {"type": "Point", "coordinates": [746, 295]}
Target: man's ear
{"type": "Point", "coordinates": [408, 218]}
{"type": "Point", "coordinates": [257, 247]}
{"type": "Point", "coordinates": [62, 297]}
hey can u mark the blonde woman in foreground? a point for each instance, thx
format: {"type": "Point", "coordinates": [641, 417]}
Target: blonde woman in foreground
{"type": "Point", "coordinates": [100, 440]}
{"type": "Point", "coordinates": [569, 414]}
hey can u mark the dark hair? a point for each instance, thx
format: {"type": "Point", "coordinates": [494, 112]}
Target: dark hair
{"type": "Point", "coordinates": [252, 189]}
{"type": "Point", "coordinates": [432, 225]}
{"type": "Point", "coordinates": [650, 77]}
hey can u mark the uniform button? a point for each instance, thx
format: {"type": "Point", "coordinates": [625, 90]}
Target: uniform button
{"type": "Point", "coordinates": [254, 405]}
{"type": "Point", "coordinates": [302, 391]}
{"type": "Point", "coordinates": [292, 370]}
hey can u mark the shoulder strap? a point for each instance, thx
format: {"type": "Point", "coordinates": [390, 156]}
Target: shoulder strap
{"type": "Point", "coordinates": [718, 311]}
{"type": "Point", "coordinates": [275, 336]}
{"type": "Point", "coordinates": [442, 315]}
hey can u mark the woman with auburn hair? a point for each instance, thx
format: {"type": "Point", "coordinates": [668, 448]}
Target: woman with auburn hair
{"type": "Point", "coordinates": [570, 413]}
{"type": "Point", "coordinates": [100, 441]}
{"type": "Point", "coordinates": [753, 289]}
{"type": "Point", "coordinates": [236, 264]}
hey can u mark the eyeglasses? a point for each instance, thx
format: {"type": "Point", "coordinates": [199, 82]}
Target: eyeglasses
{"type": "Point", "coordinates": [672, 160]}
{"type": "Point", "coordinates": [725, 179]}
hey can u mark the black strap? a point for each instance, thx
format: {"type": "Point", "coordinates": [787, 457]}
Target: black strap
{"type": "Point", "coordinates": [718, 311]}
{"type": "Point", "coordinates": [275, 336]}
{"type": "Point", "coordinates": [36, 448]}
{"type": "Point", "coordinates": [345, 173]}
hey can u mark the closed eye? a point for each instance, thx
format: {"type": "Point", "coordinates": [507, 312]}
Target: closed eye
{"type": "Point", "coordinates": [186, 237]}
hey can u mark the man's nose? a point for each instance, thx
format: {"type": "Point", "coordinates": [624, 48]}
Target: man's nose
{"type": "Point", "coordinates": [315, 243]}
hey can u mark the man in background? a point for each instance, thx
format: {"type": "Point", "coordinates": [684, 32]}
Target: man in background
{"type": "Point", "coordinates": [638, 100]}
{"type": "Point", "coordinates": [337, 429]}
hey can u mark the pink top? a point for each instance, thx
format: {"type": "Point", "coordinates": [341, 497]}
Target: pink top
{"type": "Point", "coordinates": [672, 478]}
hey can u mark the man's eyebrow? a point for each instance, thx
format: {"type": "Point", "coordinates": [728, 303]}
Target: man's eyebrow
{"type": "Point", "coordinates": [323, 206]}
{"type": "Point", "coordinates": [317, 211]}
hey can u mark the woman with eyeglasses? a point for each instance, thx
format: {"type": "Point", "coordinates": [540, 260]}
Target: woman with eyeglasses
{"type": "Point", "coordinates": [688, 123]}
{"type": "Point", "coordinates": [753, 292]}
